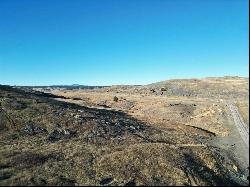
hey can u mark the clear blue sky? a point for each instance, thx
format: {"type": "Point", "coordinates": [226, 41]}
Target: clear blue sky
{"type": "Point", "coordinates": [105, 42]}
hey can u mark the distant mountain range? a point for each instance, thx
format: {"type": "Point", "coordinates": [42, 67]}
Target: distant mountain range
{"type": "Point", "coordinates": [73, 86]}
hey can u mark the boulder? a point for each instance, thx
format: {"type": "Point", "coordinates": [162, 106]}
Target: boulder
{"type": "Point", "coordinates": [58, 134]}
{"type": "Point", "coordinates": [115, 99]}
{"type": "Point", "coordinates": [55, 135]}
{"type": "Point", "coordinates": [163, 89]}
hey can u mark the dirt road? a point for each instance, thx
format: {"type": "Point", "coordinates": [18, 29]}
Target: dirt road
{"type": "Point", "coordinates": [239, 123]}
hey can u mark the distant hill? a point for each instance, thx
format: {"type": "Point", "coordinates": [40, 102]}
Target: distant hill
{"type": "Point", "coordinates": [73, 86]}
{"type": "Point", "coordinates": [228, 86]}
{"type": "Point", "coordinates": [220, 87]}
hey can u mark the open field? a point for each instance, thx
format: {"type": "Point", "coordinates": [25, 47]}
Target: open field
{"type": "Point", "coordinates": [155, 134]}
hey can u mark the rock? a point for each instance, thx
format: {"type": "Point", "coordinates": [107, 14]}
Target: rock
{"type": "Point", "coordinates": [235, 168]}
{"type": "Point", "coordinates": [152, 90]}
{"type": "Point", "coordinates": [69, 133]}
{"type": "Point", "coordinates": [132, 127]}
{"type": "Point", "coordinates": [115, 99]}
{"type": "Point", "coordinates": [28, 129]}
{"type": "Point", "coordinates": [58, 125]}
{"type": "Point", "coordinates": [77, 116]}
{"type": "Point", "coordinates": [32, 130]}
{"type": "Point", "coordinates": [90, 136]}
{"type": "Point", "coordinates": [58, 134]}
{"type": "Point", "coordinates": [66, 132]}
{"type": "Point", "coordinates": [54, 136]}
{"type": "Point", "coordinates": [244, 177]}
{"type": "Point", "coordinates": [130, 183]}
{"type": "Point", "coordinates": [163, 89]}
{"type": "Point", "coordinates": [106, 181]}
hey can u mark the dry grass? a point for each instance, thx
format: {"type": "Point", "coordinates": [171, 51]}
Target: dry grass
{"type": "Point", "coordinates": [244, 110]}
{"type": "Point", "coordinates": [150, 143]}
{"type": "Point", "coordinates": [206, 114]}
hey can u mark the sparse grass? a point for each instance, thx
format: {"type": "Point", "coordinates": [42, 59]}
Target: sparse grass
{"type": "Point", "coordinates": [108, 147]}
{"type": "Point", "coordinates": [244, 110]}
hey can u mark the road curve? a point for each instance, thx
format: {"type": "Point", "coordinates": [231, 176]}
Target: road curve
{"type": "Point", "coordinates": [239, 123]}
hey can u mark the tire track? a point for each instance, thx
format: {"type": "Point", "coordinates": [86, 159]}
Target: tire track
{"type": "Point", "coordinates": [239, 123]}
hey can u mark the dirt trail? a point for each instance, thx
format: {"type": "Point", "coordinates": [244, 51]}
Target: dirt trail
{"type": "Point", "coordinates": [239, 123]}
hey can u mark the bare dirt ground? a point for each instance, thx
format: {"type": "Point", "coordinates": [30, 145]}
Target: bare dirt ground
{"type": "Point", "coordinates": [158, 134]}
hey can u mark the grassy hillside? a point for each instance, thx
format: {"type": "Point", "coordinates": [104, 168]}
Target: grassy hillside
{"type": "Point", "coordinates": [47, 142]}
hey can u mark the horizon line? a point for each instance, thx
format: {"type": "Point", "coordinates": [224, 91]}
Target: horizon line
{"type": "Point", "coordinates": [77, 85]}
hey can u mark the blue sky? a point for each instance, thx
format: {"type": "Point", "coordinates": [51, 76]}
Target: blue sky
{"type": "Point", "coordinates": [105, 42]}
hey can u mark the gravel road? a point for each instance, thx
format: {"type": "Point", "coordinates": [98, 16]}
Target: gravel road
{"type": "Point", "coordinates": [239, 123]}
